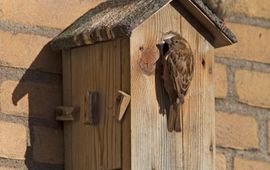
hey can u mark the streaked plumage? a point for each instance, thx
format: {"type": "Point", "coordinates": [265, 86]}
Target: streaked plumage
{"type": "Point", "coordinates": [178, 70]}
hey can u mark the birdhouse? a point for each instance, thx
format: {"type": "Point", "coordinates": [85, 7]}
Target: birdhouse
{"type": "Point", "coordinates": [115, 104]}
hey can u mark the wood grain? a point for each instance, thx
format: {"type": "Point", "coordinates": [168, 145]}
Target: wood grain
{"type": "Point", "coordinates": [152, 146]}
{"type": "Point", "coordinates": [222, 35]}
{"type": "Point", "coordinates": [67, 101]}
{"type": "Point", "coordinates": [126, 121]}
{"type": "Point", "coordinates": [123, 100]}
{"type": "Point", "coordinates": [97, 68]}
{"type": "Point", "coordinates": [199, 108]}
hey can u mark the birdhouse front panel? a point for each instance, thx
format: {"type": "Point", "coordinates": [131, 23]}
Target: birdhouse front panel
{"type": "Point", "coordinates": [96, 133]}
{"type": "Point", "coordinates": [153, 146]}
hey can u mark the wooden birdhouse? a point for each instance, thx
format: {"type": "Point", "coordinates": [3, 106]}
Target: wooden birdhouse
{"type": "Point", "coordinates": [114, 103]}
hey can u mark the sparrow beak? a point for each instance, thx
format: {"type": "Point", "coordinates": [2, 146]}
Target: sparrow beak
{"type": "Point", "coordinates": [168, 41]}
{"type": "Point", "coordinates": [167, 37]}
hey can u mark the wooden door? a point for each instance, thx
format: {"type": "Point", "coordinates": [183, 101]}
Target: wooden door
{"type": "Point", "coordinates": [96, 68]}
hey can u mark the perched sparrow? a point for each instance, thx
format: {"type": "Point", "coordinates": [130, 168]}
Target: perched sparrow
{"type": "Point", "coordinates": [178, 67]}
{"type": "Point", "coordinates": [219, 7]}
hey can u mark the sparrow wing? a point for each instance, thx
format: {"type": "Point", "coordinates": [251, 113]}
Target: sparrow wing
{"type": "Point", "coordinates": [180, 68]}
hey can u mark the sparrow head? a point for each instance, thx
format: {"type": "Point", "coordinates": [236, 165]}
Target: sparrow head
{"type": "Point", "coordinates": [178, 43]}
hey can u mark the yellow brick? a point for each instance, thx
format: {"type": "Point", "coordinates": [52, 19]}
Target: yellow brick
{"type": "Point", "coordinates": [221, 85]}
{"type": "Point", "coordinates": [48, 145]}
{"type": "Point", "coordinates": [253, 44]}
{"type": "Point", "coordinates": [220, 162]}
{"type": "Point", "coordinates": [253, 88]}
{"type": "Point", "coordinates": [28, 51]}
{"type": "Point", "coordinates": [12, 140]}
{"type": "Point", "coordinates": [29, 99]}
{"type": "Point", "coordinates": [252, 8]}
{"type": "Point", "coordinates": [236, 131]}
{"type": "Point", "coordinates": [53, 13]}
{"type": "Point", "coordinates": [245, 164]}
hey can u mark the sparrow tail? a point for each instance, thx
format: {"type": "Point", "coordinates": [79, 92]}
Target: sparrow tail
{"type": "Point", "coordinates": [174, 118]}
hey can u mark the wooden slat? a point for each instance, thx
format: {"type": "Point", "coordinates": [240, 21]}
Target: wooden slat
{"type": "Point", "coordinates": [199, 105]}
{"type": "Point", "coordinates": [67, 101]}
{"type": "Point", "coordinates": [152, 146]}
{"type": "Point", "coordinates": [220, 39]}
{"type": "Point", "coordinates": [125, 86]}
{"type": "Point", "coordinates": [97, 68]}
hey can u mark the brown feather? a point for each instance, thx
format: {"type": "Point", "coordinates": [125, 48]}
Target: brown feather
{"type": "Point", "coordinates": [177, 75]}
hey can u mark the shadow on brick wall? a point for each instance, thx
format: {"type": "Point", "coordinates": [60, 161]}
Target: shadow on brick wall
{"type": "Point", "coordinates": [41, 83]}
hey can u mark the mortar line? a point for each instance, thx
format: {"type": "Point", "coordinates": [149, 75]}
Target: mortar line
{"type": "Point", "coordinates": [15, 28]}
{"type": "Point", "coordinates": [224, 105]}
{"type": "Point", "coordinates": [18, 74]}
{"type": "Point", "coordinates": [263, 136]}
{"type": "Point", "coordinates": [229, 155]}
{"type": "Point", "coordinates": [243, 64]}
{"type": "Point", "coordinates": [251, 154]}
{"type": "Point", "coordinates": [33, 121]}
{"type": "Point", "coordinates": [20, 164]}
{"type": "Point", "coordinates": [244, 19]}
{"type": "Point", "coordinates": [231, 93]}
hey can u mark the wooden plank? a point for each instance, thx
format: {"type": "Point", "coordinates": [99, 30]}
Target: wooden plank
{"type": "Point", "coordinates": [91, 111]}
{"type": "Point", "coordinates": [220, 39]}
{"type": "Point", "coordinates": [153, 147]}
{"type": "Point", "coordinates": [126, 121]}
{"type": "Point", "coordinates": [67, 101]}
{"type": "Point", "coordinates": [97, 68]}
{"type": "Point", "coordinates": [199, 106]}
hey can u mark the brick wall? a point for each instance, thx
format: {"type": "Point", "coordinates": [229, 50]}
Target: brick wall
{"type": "Point", "coordinates": [30, 81]}
{"type": "Point", "coordinates": [30, 85]}
{"type": "Point", "coordinates": [242, 79]}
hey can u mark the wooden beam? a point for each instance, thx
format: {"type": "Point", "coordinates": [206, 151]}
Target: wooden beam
{"type": "Point", "coordinates": [220, 39]}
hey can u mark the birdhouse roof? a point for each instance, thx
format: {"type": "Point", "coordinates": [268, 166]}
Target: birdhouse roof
{"type": "Point", "coordinates": [118, 18]}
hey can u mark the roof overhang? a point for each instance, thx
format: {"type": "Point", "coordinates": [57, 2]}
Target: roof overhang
{"type": "Point", "coordinates": [89, 29]}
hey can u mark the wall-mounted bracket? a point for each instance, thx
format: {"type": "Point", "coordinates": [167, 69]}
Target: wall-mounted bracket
{"type": "Point", "coordinates": [123, 100]}
{"type": "Point", "coordinates": [64, 113]}
{"type": "Point", "coordinates": [91, 105]}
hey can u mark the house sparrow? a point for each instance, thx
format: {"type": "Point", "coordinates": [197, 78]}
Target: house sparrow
{"type": "Point", "coordinates": [219, 7]}
{"type": "Point", "coordinates": [178, 67]}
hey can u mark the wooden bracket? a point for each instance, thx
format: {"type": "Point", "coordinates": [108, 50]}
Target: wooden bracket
{"type": "Point", "coordinates": [123, 100]}
{"type": "Point", "coordinates": [91, 105]}
{"type": "Point", "coordinates": [64, 113]}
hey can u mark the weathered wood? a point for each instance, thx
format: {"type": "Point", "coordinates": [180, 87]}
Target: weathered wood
{"type": "Point", "coordinates": [123, 100]}
{"type": "Point", "coordinates": [222, 36]}
{"type": "Point", "coordinates": [67, 101]}
{"type": "Point", "coordinates": [109, 20]}
{"type": "Point", "coordinates": [97, 68]}
{"type": "Point", "coordinates": [125, 86]}
{"type": "Point", "coordinates": [199, 108]}
{"type": "Point", "coordinates": [153, 147]}
{"type": "Point", "coordinates": [64, 113]}
{"type": "Point", "coordinates": [118, 18]}
{"type": "Point", "coordinates": [91, 111]}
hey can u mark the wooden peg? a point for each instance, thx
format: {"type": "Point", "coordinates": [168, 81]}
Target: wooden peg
{"type": "Point", "coordinates": [91, 106]}
{"type": "Point", "coordinates": [64, 113]}
{"type": "Point", "coordinates": [123, 100]}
